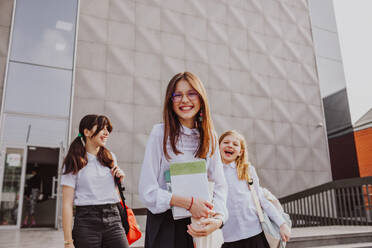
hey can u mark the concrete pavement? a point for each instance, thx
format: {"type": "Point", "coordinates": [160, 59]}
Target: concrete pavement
{"type": "Point", "coordinates": [37, 238]}
{"type": "Point", "coordinates": [50, 238]}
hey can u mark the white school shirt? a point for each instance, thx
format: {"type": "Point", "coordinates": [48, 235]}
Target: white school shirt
{"type": "Point", "coordinates": [93, 184]}
{"type": "Point", "coordinates": [243, 220]}
{"type": "Point", "coordinates": [152, 186]}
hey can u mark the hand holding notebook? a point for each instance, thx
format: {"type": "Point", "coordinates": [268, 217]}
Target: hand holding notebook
{"type": "Point", "coordinates": [201, 208]}
{"type": "Point", "coordinates": [189, 179]}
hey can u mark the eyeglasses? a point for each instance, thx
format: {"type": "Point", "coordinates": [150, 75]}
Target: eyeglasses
{"type": "Point", "coordinates": [191, 95]}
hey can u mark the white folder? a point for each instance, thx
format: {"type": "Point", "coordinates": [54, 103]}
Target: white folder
{"type": "Point", "coordinates": [189, 179]}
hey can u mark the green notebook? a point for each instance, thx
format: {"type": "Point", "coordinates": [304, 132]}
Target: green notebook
{"type": "Point", "coordinates": [184, 168]}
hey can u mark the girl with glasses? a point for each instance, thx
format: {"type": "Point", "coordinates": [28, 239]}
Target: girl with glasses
{"type": "Point", "coordinates": [186, 135]}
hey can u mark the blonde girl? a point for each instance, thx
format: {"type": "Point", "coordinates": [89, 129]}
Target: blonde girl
{"type": "Point", "coordinates": [243, 228]}
{"type": "Point", "coordinates": [187, 134]}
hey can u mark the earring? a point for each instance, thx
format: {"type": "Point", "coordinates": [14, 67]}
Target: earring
{"type": "Point", "coordinates": [200, 117]}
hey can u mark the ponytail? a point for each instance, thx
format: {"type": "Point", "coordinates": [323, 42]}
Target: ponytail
{"type": "Point", "coordinates": [104, 156]}
{"type": "Point", "coordinates": [76, 157]}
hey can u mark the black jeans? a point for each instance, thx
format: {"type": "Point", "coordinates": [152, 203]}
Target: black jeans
{"type": "Point", "coordinates": [98, 226]}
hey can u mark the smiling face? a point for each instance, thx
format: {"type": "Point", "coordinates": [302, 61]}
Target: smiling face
{"type": "Point", "coordinates": [230, 149]}
{"type": "Point", "coordinates": [186, 103]}
{"type": "Point", "coordinates": [98, 140]}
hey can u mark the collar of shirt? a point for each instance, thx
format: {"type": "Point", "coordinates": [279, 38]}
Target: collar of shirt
{"type": "Point", "coordinates": [189, 131]}
{"type": "Point", "coordinates": [231, 165]}
{"type": "Point", "coordinates": [91, 157]}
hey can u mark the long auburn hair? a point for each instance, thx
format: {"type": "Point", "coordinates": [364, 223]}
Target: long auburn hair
{"type": "Point", "coordinates": [76, 157]}
{"type": "Point", "coordinates": [172, 124]}
{"type": "Point", "coordinates": [242, 163]}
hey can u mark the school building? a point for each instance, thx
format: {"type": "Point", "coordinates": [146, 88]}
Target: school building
{"type": "Point", "coordinates": [61, 60]}
{"type": "Point", "coordinates": [347, 103]}
{"type": "Point", "coordinates": [350, 141]}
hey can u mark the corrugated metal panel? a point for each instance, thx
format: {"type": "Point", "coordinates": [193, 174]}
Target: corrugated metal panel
{"type": "Point", "coordinates": [363, 141]}
{"type": "Point", "coordinates": [337, 112]}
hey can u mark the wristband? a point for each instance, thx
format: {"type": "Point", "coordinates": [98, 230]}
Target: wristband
{"type": "Point", "coordinates": [219, 218]}
{"type": "Point", "coordinates": [192, 201]}
{"type": "Point", "coordinates": [67, 242]}
{"type": "Point", "coordinates": [222, 224]}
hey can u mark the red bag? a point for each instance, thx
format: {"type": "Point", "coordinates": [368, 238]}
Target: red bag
{"type": "Point", "coordinates": [134, 232]}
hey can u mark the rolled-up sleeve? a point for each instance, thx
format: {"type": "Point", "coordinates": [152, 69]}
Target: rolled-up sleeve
{"type": "Point", "coordinates": [217, 175]}
{"type": "Point", "coordinates": [69, 180]}
{"type": "Point", "coordinates": [267, 206]}
{"type": "Point", "coordinates": [156, 199]}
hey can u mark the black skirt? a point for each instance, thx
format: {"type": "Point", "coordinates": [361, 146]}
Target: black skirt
{"type": "Point", "coordinates": [162, 231]}
{"type": "Point", "coordinates": [257, 241]}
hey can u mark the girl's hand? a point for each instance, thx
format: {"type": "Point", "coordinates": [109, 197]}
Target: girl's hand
{"type": "Point", "coordinates": [203, 227]}
{"type": "Point", "coordinates": [285, 232]}
{"type": "Point", "coordinates": [117, 172]}
{"type": "Point", "coordinates": [201, 208]}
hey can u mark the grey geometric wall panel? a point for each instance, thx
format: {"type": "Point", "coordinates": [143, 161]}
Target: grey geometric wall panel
{"type": "Point", "coordinates": [256, 58]}
{"type": "Point", "coordinates": [6, 7]}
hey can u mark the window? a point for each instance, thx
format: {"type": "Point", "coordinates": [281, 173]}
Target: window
{"type": "Point", "coordinates": [21, 130]}
{"type": "Point", "coordinates": [38, 90]}
{"type": "Point", "coordinates": [44, 32]}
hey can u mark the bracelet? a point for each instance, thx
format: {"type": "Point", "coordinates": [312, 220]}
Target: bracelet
{"type": "Point", "coordinates": [192, 201]}
{"type": "Point", "coordinates": [219, 218]}
{"type": "Point", "coordinates": [67, 242]}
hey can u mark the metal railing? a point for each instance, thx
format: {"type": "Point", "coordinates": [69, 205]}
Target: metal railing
{"type": "Point", "coordinates": [341, 202]}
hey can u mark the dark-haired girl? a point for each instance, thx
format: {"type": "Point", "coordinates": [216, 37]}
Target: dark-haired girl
{"type": "Point", "coordinates": [187, 134]}
{"type": "Point", "coordinates": [88, 183]}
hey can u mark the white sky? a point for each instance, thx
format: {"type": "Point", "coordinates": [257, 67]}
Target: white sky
{"type": "Point", "coordinates": [354, 24]}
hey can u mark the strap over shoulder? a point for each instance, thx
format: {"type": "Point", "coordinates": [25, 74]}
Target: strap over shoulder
{"type": "Point", "coordinates": [256, 201]}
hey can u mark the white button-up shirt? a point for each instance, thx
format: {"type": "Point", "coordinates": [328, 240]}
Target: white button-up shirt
{"type": "Point", "coordinates": [243, 220]}
{"type": "Point", "coordinates": [152, 186]}
{"type": "Point", "coordinates": [93, 184]}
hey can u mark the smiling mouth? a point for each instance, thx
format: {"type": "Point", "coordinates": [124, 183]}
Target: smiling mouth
{"type": "Point", "coordinates": [229, 153]}
{"type": "Point", "coordinates": [186, 108]}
